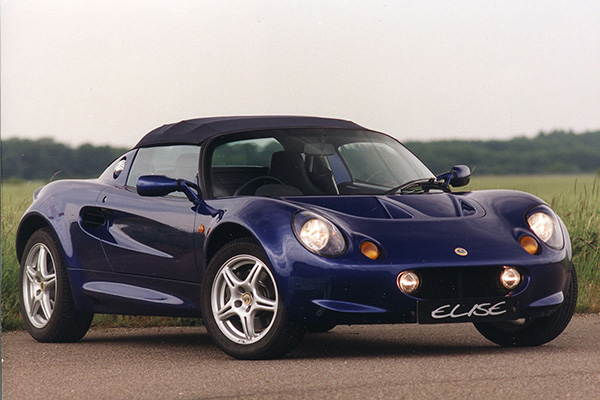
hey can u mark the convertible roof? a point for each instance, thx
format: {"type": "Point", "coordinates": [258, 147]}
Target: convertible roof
{"type": "Point", "coordinates": [196, 131]}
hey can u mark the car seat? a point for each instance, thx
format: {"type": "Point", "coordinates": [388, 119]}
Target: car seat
{"type": "Point", "coordinates": [288, 167]}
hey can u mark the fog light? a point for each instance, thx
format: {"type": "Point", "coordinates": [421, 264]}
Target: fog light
{"type": "Point", "coordinates": [408, 282]}
{"type": "Point", "coordinates": [510, 278]}
{"type": "Point", "coordinates": [370, 250]}
{"type": "Point", "coordinates": [529, 244]}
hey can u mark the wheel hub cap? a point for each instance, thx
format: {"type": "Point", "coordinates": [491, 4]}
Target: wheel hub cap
{"type": "Point", "coordinates": [247, 299]}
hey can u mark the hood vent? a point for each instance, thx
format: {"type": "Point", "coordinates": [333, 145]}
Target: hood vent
{"type": "Point", "coordinates": [395, 210]}
{"type": "Point", "coordinates": [467, 209]}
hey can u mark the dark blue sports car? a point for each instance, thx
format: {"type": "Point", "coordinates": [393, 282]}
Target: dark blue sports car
{"type": "Point", "coordinates": [268, 227]}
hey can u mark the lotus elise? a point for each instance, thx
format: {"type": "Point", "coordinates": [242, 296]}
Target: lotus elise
{"type": "Point", "coordinates": [269, 227]}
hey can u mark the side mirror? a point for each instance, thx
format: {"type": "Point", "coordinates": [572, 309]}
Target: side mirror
{"type": "Point", "coordinates": [157, 185]}
{"type": "Point", "coordinates": [160, 185]}
{"type": "Point", "coordinates": [459, 175]}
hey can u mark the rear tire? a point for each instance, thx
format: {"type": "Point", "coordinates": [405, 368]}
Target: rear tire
{"type": "Point", "coordinates": [46, 301]}
{"type": "Point", "coordinates": [533, 331]}
{"type": "Point", "coordinates": [242, 309]}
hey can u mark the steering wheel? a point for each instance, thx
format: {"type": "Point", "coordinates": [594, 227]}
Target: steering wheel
{"type": "Point", "coordinates": [253, 182]}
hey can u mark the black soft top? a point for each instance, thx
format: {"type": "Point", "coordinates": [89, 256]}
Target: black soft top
{"type": "Point", "coordinates": [196, 131]}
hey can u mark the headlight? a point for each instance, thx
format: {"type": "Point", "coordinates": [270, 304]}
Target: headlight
{"type": "Point", "coordinates": [318, 234]}
{"type": "Point", "coordinates": [545, 225]}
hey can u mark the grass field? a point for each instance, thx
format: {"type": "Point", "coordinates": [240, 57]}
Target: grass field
{"type": "Point", "coordinates": [548, 187]}
{"type": "Point", "coordinates": [575, 198]}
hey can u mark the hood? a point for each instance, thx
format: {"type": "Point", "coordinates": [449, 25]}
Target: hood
{"type": "Point", "coordinates": [407, 206]}
{"type": "Point", "coordinates": [426, 229]}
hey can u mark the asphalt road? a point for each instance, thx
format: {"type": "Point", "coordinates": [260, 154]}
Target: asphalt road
{"type": "Point", "coordinates": [350, 362]}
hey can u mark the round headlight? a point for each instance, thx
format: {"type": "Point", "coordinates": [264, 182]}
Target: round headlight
{"type": "Point", "coordinates": [315, 234]}
{"type": "Point", "coordinates": [546, 227]}
{"type": "Point", "coordinates": [408, 282]}
{"type": "Point", "coordinates": [542, 225]}
{"type": "Point", "coordinates": [318, 234]}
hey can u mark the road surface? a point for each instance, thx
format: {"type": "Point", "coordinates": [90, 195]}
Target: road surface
{"type": "Point", "coordinates": [350, 362]}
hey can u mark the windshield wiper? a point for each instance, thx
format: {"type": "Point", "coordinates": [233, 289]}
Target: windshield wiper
{"type": "Point", "coordinates": [424, 183]}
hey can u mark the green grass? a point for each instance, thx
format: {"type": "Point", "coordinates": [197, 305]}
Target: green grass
{"type": "Point", "coordinates": [546, 187]}
{"type": "Point", "coordinates": [16, 197]}
{"type": "Point", "coordinates": [575, 198]}
{"type": "Point", "coordinates": [580, 211]}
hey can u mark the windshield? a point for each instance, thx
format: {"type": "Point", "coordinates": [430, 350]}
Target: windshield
{"type": "Point", "coordinates": [311, 162]}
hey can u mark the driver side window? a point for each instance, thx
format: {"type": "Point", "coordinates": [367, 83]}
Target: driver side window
{"type": "Point", "coordinates": [179, 162]}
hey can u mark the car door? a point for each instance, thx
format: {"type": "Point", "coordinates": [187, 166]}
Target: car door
{"type": "Point", "coordinates": [153, 236]}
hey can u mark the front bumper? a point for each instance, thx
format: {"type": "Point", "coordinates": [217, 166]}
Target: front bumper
{"type": "Point", "coordinates": [366, 294]}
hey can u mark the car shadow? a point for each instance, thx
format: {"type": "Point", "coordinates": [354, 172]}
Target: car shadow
{"type": "Point", "coordinates": [332, 345]}
{"type": "Point", "coordinates": [341, 342]}
{"type": "Point", "coordinates": [150, 336]}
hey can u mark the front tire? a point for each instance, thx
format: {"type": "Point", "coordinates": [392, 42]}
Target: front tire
{"type": "Point", "coordinates": [46, 301]}
{"type": "Point", "coordinates": [242, 310]}
{"type": "Point", "coordinates": [533, 331]}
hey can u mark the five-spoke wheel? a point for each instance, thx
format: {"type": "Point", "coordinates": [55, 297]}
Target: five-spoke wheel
{"type": "Point", "coordinates": [241, 305]}
{"type": "Point", "coordinates": [244, 299]}
{"type": "Point", "coordinates": [39, 285]}
{"type": "Point", "coordinates": [47, 304]}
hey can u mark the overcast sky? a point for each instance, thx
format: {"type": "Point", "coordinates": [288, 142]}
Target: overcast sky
{"type": "Point", "coordinates": [107, 72]}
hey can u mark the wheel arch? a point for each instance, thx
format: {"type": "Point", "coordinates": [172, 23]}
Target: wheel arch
{"type": "Point", "coordinates": [30, 224]}
{"type": "Point", "coordinates": [224, 234]}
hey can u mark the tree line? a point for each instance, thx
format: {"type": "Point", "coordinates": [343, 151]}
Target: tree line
{"type": "Point", "coordinates": [547, 153]}
{"type": "Point", "coordinates": [44, 158]}
{"type": "Point", "coordinates": [556, 152]}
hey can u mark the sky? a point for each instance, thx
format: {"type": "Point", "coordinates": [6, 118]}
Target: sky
{"type": "Point", "coordinates": [107, 72]}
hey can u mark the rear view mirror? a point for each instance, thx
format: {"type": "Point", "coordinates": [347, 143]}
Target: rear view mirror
{"type": "Point", "coordinates": [319, 149]}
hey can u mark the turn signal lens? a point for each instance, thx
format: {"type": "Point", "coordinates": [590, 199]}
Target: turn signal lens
{"type": "Point", "coordinates": [510, 278]}
{"type": "Point", "coordinates": [529, 244]}
{"type": "Point", "coordinates": [408, 282]}
{"type": "Point", "coordinates": [370, 250]}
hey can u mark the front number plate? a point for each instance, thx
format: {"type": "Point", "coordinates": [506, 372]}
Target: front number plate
{"type": "Point", "coordinates": [467, 310]}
